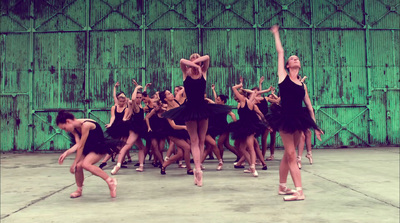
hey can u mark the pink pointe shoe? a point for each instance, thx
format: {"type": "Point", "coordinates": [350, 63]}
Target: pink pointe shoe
{"type": "Point", "coordinates": [309, 157]}
{"type": "Point", "coordinates": [198, 178]}
{"type": "Point", "coordinates": [115, 170]}
{"type": "Point", "coordinates": [220, 164]}
{"type": "Point", "coordinates": [299, 162]}
{"type": "Point", "coordinates": [285, 191]}
{"type": "Point", "coordinates": [77, 193]}
{"type": "Point", "coordinates": [112, 185]}
{"type": "Point", "coordinates": [297, 196]}
{"type": "Point", "coordinates": [140, 169]}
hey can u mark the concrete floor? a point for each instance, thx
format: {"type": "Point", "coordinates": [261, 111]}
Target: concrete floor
{"type": "Point", "coordinates": [343, 185]}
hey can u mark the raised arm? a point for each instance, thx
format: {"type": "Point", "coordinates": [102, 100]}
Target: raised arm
{"type": "Point", "coordinates": [187, 63]}
{"type": "Point", "coordinates": [233, 116]}
{"type": "Point", "coordinates": [265, 91]}
{"type": "Point", "coordinates": [206, 62]}
{"type": "Point", "coordinates": [260, 83]}
{"type": "Point", "coordinates": [214, 92]}
{"type": "Point", "coordinates": [281, 53]}
{"type": "Point", "coordinates": [115, 93]}
{"type": "Point", "coordinates": [146, 86]}
{"type": "Point", "coordinates": [237, 94]}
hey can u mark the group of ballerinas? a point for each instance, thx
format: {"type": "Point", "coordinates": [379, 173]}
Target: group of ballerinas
{"type": "Point", "coordinates": [191, 123]}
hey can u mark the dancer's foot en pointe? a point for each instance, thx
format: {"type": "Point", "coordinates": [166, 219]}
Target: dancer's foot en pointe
{"type": "Point", "coordinates": [77, 193]}
{"type": "Point", "coordinates": [270, 158]}
{"type": "Point", "coordinates": [299, 162]}
{"type": "Point", "coordinates": [297, 196]}
{"type": "Point", "coordinates": [140, 169]}
{"type": "Point", "coordinates": [220, 164]}
{"type": "Point", "coordinates": [309, 157]}
{"type": "Point", "coordinates": [253, 170]}
{"type": "Point", "coordinates": [112, 185]}
{"type": "Point", "coordinates": [116, 169]}
{"type": "Point", "coordinates": [285, 191]}
{"type": "Point", "coordinates": [198, 178]}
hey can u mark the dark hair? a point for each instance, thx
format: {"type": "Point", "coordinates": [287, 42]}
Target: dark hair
{"type": "Point", "coordinates": [162, 96]}
{"type": "Point", "coordinates": [223, 97]}
{"type": "Point", "coordinates": [255, 88]}
{"type": "Point", "coordinates": [144, 94]}
{"type": "Point", "coordinates": [63, 116]}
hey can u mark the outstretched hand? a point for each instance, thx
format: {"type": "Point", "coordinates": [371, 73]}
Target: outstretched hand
{"type": "Point", "coordinates": [261, 79]}
{"type": "Point", "coordinates": [62, 157]}
{"type": "Point", "coordinates": [213, 86]}
{"type": "Point", "coordinates": [148, 84]}
{"type": "Point", "coordinates": [134, 82]}
{"type": "Point", "coordinates": [241, 80]}
{"type": "Point", "coordinates": [274, 29]}
{"type": "Point", "coordinates": [116, 84]}
{"type": "Point", "coordinates": [318, 134]}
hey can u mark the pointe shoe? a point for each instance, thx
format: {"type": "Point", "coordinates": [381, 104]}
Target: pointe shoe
{"type": "Point", "coordinates": [115, 170]}
{"type": "Point", "coordinates": [270, 158]}
{"type": "Point", "coordinates": [309, 157]}
{"type": "Point", "coordinates": [247, 171]}
{"type": "Point", "coordinates": [112, 185]}
{"type": "Point", "coordinates": [285, 191]}
{"type": "Point", "coordinates": [140, 169]}
{"type": "Point", "coordinates": [195, 177]}
{"type": "Point", "coordinates": [297, 196]}
{"type": "Point", "coordinates": [299, 162]}
{"type": "Point", "coordinates": [76, 194]}
{"type": "Point", "coordinates": [199, 178]}
{"type": "Point", "coordinates": [254, 171]}
{"type": "Point", "coordinates": [219, 167]}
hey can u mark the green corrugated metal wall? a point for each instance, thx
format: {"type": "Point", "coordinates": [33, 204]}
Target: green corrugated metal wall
{"type": "Point", "coordinates": [68, 54]}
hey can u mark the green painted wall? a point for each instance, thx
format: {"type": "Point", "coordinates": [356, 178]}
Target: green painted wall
{"type": "Point", "coordinates": [67, 54]}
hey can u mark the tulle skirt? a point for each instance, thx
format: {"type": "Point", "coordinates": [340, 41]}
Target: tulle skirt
{"type": "Point", "coordinates": [118, 130]}
{"type": "Point", "coordinates": [290, 121]}
{"type": "Point", "coordinates": [100, 145]}
{"type": "Point", "coordinates": [196, 111]}
{"type": "Point", "coordinates": [215, 131]}
{"type": "Point", "coordinates": [241, 129]}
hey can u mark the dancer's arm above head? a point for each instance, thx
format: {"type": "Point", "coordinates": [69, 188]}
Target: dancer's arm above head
{"type": "Point", "coordinates": [146, 86]}
{"type": "Point", "coordinates": [175, 126]}
{"type": "Point", "coordinates": [206, 62]}
{"type": "Point", "coordinates": [115, 93]}
{"type": "Point", "coordinates": [147, 119]}
{"type": "Point", "coordinates": [260, 83]}
{"type": "Point", "coordinates": [214, 92]}
{"type": "Point", "coordinates": [135, 107]}
{"type": "Point", "coordinates": [202, 69]}
{"type": "Point", "coordinates": [239, 96]}
{"type": "Point", "coordinates": [209, 101]}
{"type": "Point", "coordinates": [281, 53]}
{"type": "Point", "coordinates": [179, 94]}
{"type": "Point", "coordinates": [310, 109]}
{"type": "Point", "coordinates": [112, 119]}
{"type": "Point", "coordinates": [266, 90]}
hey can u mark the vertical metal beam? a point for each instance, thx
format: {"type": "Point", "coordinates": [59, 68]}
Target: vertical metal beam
{"type": "Point", "coordinates": [115, 76]}
{"type": "Point", "coordinates": [87, 28]}
{"type": "Point", "coordinates": [199, 26]}
{"type": "Point", "coordinates": [257, 38]}
{"type": "Point", "coordinates": [3, 58]}
{"type": "Point", "coordinates": [368, 70]}
{"type": "Point", "coordinates": [59, 71]}
{"type": "Point", "coordinates": [143, 27]}
{"type": "Point", "coordinates": [31, 73]}
{"type": "Point", "coordinates": [313, 65]}
{"type": "Point", "coordinates": [172, 59]}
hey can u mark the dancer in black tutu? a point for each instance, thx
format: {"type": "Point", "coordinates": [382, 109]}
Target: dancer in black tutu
{"type": "Point", "coordinates": [247, 127]}
{"type": "Point", "coordinates": [116, 128]}
{"type": "Point", "coordinates": [290, 120]}
{"type": "Point", "coordinates": [90, 148]}
{"type": "Point", "coordinates": [196, 111]}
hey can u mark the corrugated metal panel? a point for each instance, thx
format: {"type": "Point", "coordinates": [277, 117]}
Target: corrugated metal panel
{"type": "Point", "coordinates": [393, 117]}
{"type": "Point", "coordinates": [115, 14]}
{"type": "Point", "coordinates": [378, 130]}
{"type": "Point", "coordinates": [46, 61]}
{"type": "Point", "coordinates": [227, 14]}
{"type": "Point", "coordinates": [16, 63]}
{"type": "Point", "coordinates": [343, 14]}
{"type": "Point", "coordinates": [14, 16]}
{"type": "Point", "coordinates": [167, 14]}
{"type": "Point", "coordinates": [383, 14]}
{"type": "Point", "coordinates": [57, 15]}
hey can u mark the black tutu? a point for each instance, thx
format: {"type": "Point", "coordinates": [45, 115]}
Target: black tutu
{"type": "Point", "coordinates": [139, 127]}
{"type": "Point", "coordinates": [290, 121]}
{"type": "Point", "coordinates": [118, 130]}
{"type": "Point", "coordinates": [241, 129]}
{"type": "Point", "coordinates": [196, 111]}
{"type": "Point", "coordinates": [100, 145]}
